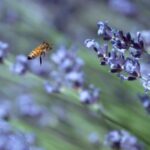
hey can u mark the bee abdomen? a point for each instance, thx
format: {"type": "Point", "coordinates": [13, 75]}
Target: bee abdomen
{"type": "Point", "coordinates": [34, 54]}
{"type": "Point", "coordinates": [29, 57]}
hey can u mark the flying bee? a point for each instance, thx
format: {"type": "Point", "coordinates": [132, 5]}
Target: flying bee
{"type": "Point", "coordinates": [40, 51]}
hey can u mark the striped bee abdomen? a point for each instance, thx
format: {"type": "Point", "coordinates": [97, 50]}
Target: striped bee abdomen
{"type": "Point", "coordinates": [35, 53]}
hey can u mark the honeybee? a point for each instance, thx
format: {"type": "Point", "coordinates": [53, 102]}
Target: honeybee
{"type": "Point", "coordinates": [40, 51]}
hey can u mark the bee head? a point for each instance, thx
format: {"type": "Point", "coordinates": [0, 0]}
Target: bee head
{"type": "Point", "coordinates": [47, 45]}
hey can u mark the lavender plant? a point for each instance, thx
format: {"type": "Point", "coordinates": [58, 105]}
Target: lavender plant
{"type": "Point", "coordinates": [123, 57]}
{"type": "Point", "coordinates": [16, 140]}
{"type": "Point", "coordinates": [122, 140]}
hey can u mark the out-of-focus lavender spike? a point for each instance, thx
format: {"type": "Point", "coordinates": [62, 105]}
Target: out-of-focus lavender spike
{"type": "Point", "coordinates": [120, 139]}
{"type": "Point", "coordinates": [52, 88]}
{"type": "Point", "coordinates": [90, 95]}
{"type": "Point", "coordinates": [58, 56]}
{"type": "Point", "coordinates": [20, 67]}
{"type": "Point", "coordinates": [76, 78]}
{"type": "Point", "coordinates": [124, 7]}
{"type": "Point", "coordinates": [28, 108]}
{"type": "Point", "coordinates": [69, 68]}
{"type": "Point", "coordinates": [3, 45]}
{"type": "Point", "coordinates": [11, 139]}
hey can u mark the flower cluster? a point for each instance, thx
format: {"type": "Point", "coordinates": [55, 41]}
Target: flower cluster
{"type": "Point", "coordinates": [65, 69]}
{"type": "Point", "coordinates": [122, 140]}
{"type": "Point", "coordinates": [28, 108]}
{"type": "Point", "coordinates": [15, 140]}
{"type": "Point", "coordinates": [68, 71]}
{"type": "Point", "coordinates": [69, 68]}
{"type": "Point", "coordinates": [3, 51]}
{"type": "Point", "coordinates": [124, 54]}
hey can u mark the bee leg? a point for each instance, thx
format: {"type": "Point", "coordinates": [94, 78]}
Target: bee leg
{"type": "Point", "coordinates": [40, 60]}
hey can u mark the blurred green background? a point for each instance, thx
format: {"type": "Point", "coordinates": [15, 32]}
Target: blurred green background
{"type": "Point", "coordinates": [25, 23]}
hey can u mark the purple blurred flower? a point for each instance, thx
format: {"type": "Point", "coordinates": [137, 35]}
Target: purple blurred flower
{"type": "Point", "coordinates": [122, 140]}
{"type": "Point", "coordinates": [125, 7]}
{"type": "Point", "coordinates": [11, 139]}
{"type": "Point", "coordinates": [68, 69]}
{"type": "Point", "coordinates": [28, 108]}
{"type": "Point", "coordinates": [17, 141]}
{"type": "Point", "coordinates": [20, 67]}
{"type": "Point", "coordinates": [74, 79]}
{"type": "Point", "coordinates": [40, 70]}
{"type": "Point", "coordinates": [90, 95]}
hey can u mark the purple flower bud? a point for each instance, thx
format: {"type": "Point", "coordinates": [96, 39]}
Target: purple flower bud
{"type": "Point", "coordinates": [104, 30]}
{"type": "Point", "coordinates": [132, 67]}
{"type": "Point", "coordinates": [90, 43]}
